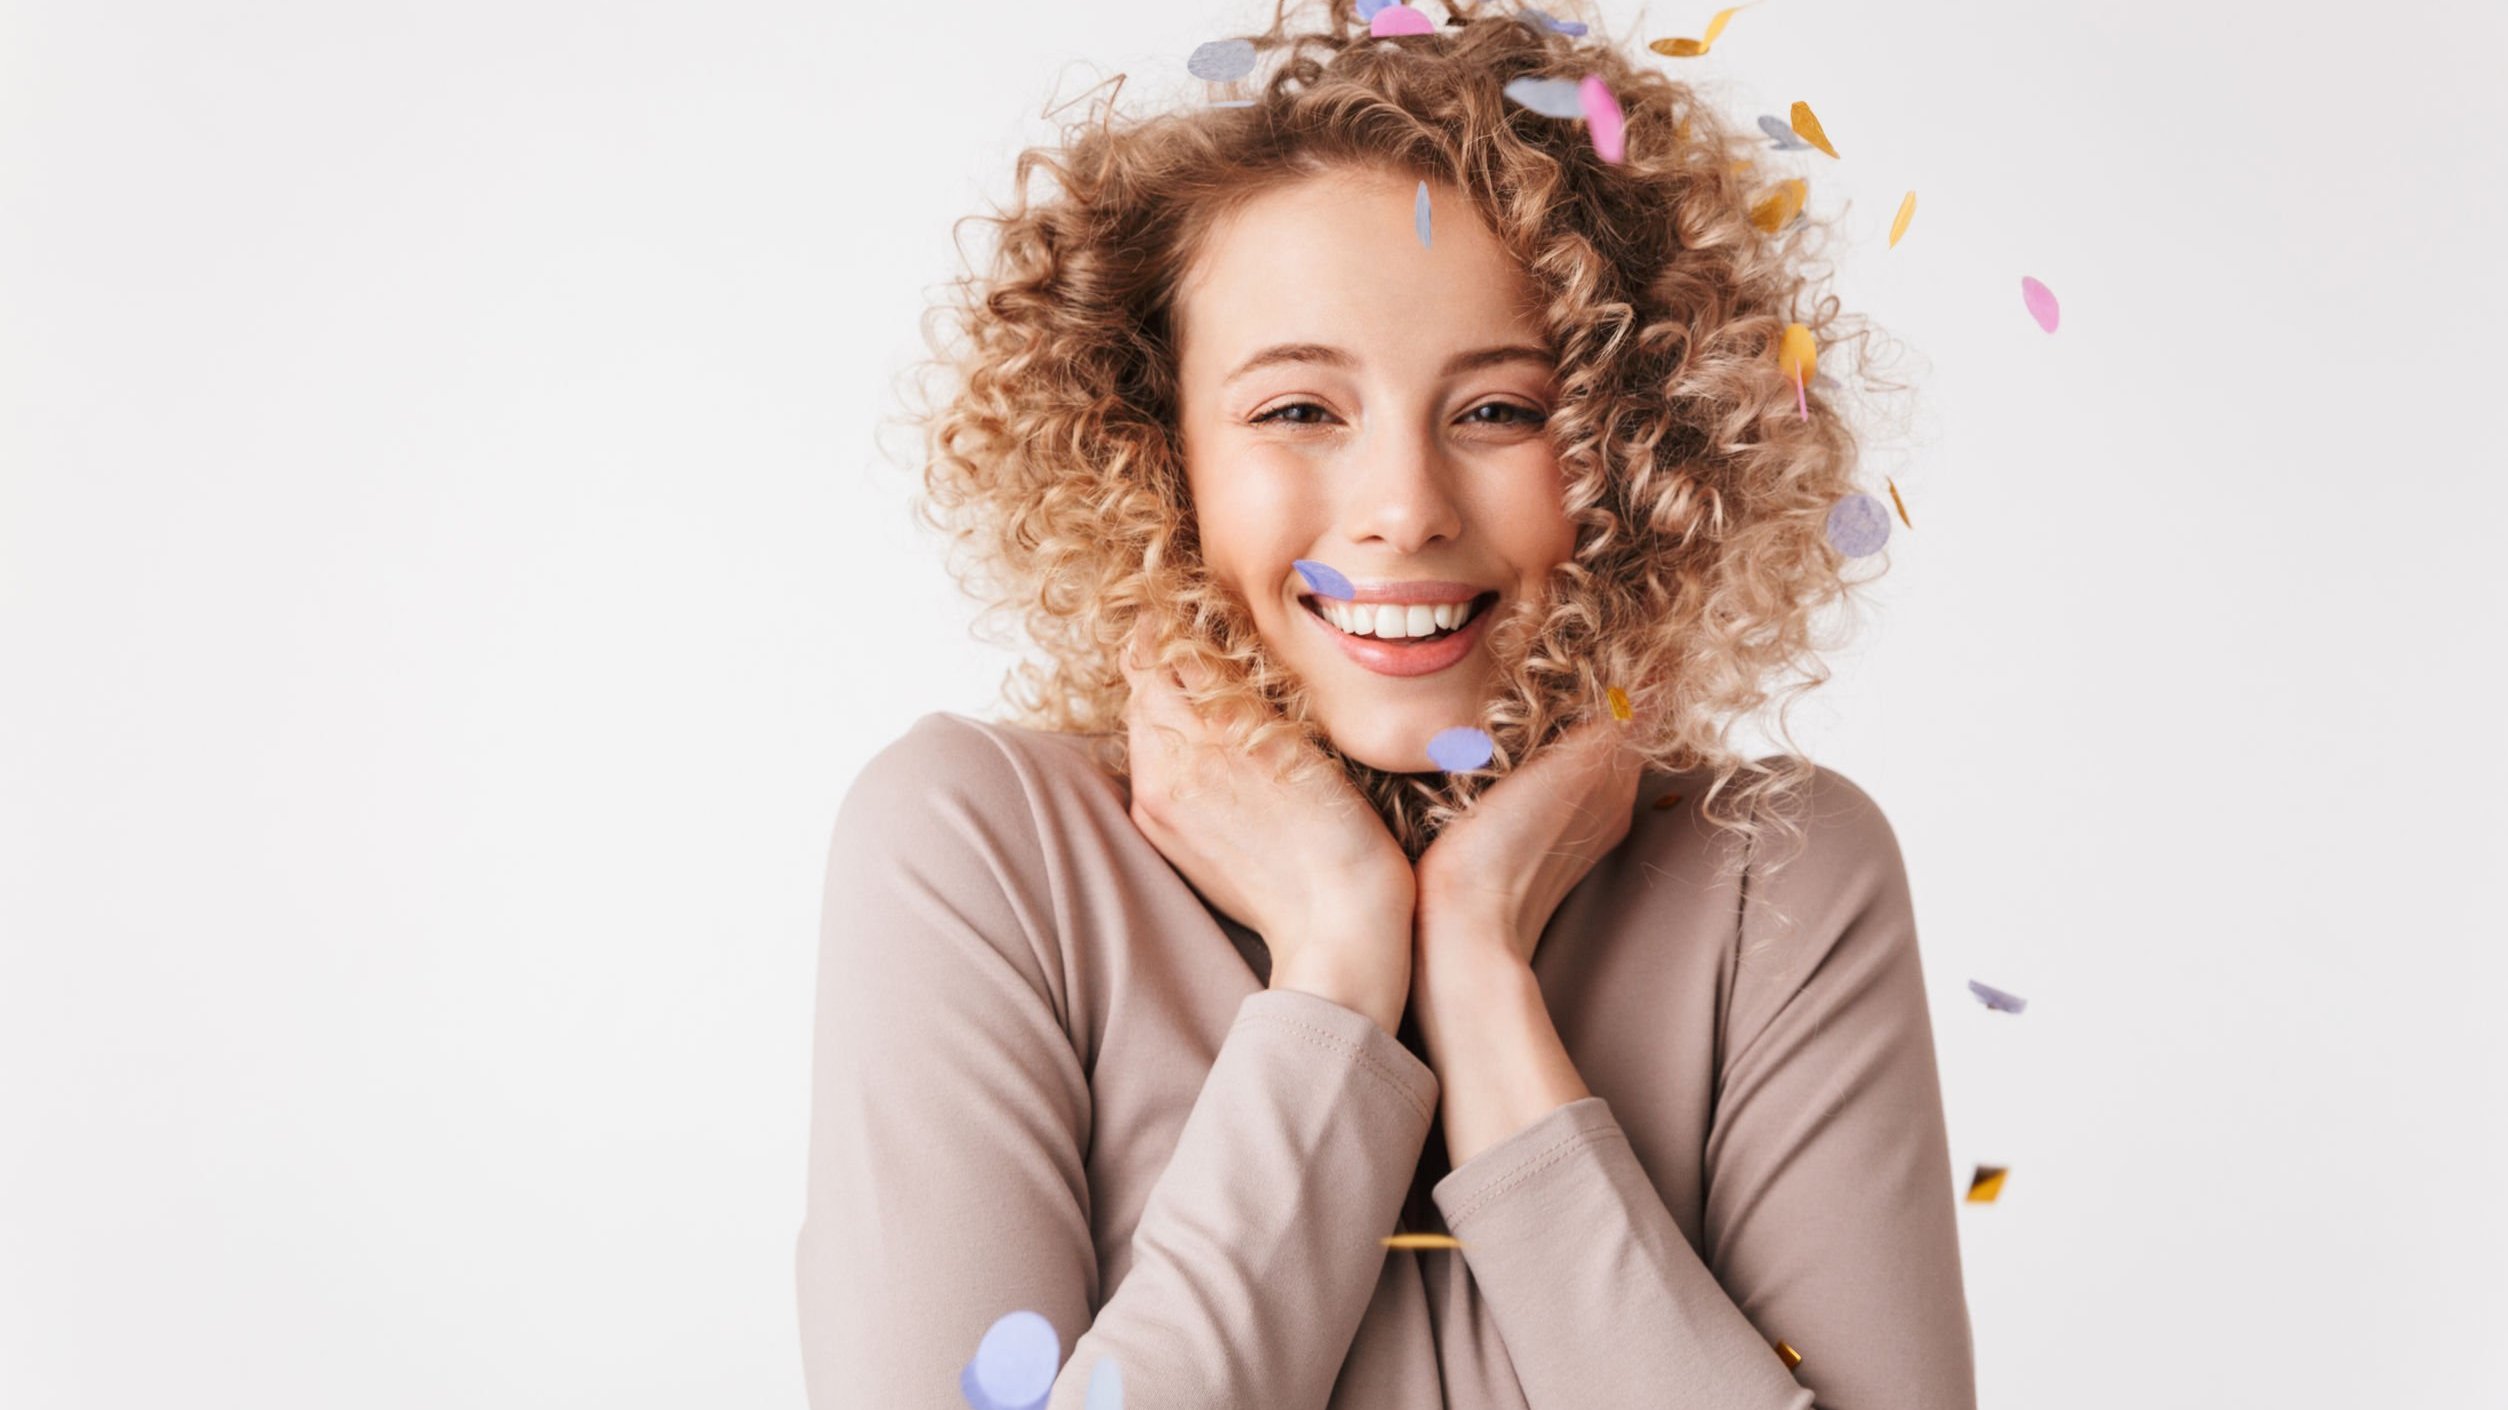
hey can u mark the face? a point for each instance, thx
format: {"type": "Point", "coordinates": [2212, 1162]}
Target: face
{"type": "Point", "coordinates": [1353, 399]}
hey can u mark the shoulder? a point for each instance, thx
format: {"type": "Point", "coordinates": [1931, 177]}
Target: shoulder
{"type": "Point", "coordinates": [948, 757]}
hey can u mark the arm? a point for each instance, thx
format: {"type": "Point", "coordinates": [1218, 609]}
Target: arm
{"type": "Point", "coordinates": [1830, 1219]}
{"type": "Point", "coordinates": [951, 1116]}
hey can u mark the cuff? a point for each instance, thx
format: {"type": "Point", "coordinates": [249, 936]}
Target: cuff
{"type": "Point", "coordinates": [1349, 1035]}
{"type": "Point", "coordinates": [1548, 1144]}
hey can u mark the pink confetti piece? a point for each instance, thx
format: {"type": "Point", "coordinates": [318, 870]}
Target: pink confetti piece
{"type": "Point", "coordinates": [2041, 301]}
{"type": "Point", "coordinates": [1603, 118]}
{"type": "Point", "coordinates": [1399, 19]}
{"type": "Point", "coordinates": [1802, 402]}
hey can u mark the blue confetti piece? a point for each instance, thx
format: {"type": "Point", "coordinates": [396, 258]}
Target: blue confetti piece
{"type": "Point", "coordinates": [1459, 749]}
{"type": "Point", "coordinates": [1367, 8]}
{"type": "Point", "coordinates": [1324, 580]}
{"type": "Point", "coordinates": [1561, 26]}
{"type": "Point", "coordinates": [1105, 1386]}
{"type": "Point", "coordinates": [1783, 132]}
{"type": "Point", "coordinates": [1550, 97]}
{"type": "Point", "coordinates": [1222, 60]}
{"type": "Point", "coordinates": [1859, 525]}
{"type": "Point", "coordinates": [1014, 1365]}
{"type": "Point", "coordinates": [1996, 999]}
{"type": "Point", "coordinates": [1419, 214]}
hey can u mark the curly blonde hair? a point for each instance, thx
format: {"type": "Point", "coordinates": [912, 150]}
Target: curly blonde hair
{"type": "Point", "coordinates": [1698, 492]}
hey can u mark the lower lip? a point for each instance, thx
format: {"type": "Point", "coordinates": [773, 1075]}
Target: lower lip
{"type": "Point", "coordinates": [1387, 659]}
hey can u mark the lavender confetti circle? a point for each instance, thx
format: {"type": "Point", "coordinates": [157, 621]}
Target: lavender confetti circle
{"type": "Point", "coordinates": [1222, 60]}
{"type": "Point", "coordinates": [1367, 8]}
{"type": "Point", "coordinates": [1015, 1364]}
{"type": "Point", "coordinates": [1859, 525]}
{"type": "Point", "coordinates": [1326, 581]}
{"type": "Point", "coordinates": [1459, 749]}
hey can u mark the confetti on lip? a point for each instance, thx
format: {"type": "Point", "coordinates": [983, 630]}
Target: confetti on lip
{"type": "Point", "coordinates": [1986, 1183]}
{"type": "Point", "coordinates": [1994, 998]}
{"type": "Point", "coordinates": [1692, 48]}
{"type": "Point", "coordinates": [2041, 301]}
{"type": "Point", "coordinates": [1367, 8]}
{"type": "Point", "coordinates": [1399, 19]}
{"type": "Point", "coordinates": [1858, 525]}
{"type": "Point", "coordinates": [1603, 119]}
{"type": "Point", "coordinates": [1419, 214]}
{"type": "Point", "coordinates": [1570, 27]}
{"type": "Point", "coordinates": [1550, 97]}
{"type": "Point", "coordinates": [1325, 579]}
{"type": "Point", "coordinates": [1902, 508]}
{"type": "Point", "coordinates": [1619, 704]}
{"type": "Point", "coordinates": [1906, 213]}
{"type": "Point", "coordinates": [1784, 136]}
{"type": "Point", "coordinates": [1014, 1366]}
{"type": "Point", "coordinates": [1782, 205]}
{"type": "Point", "coordinates": [1459, 749]}
{"type": "Point", "coordinates": [1422, 1241]}
{"type": "Point", "coordinates": [1105, 1386]}
{"type": "Point", "coordinates": [1789, 1356]}
{"type": "Point", "coordinates": [1807, 127]}
{"type": "Point", "coordinates": [1666, 801]}
{"type": "Point", "coordinates": [1222, 60]}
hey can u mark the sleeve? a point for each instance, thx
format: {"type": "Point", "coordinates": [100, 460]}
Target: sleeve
{"type": "Point", "coordinates": [1830, 1218]}
{"type": "Point", "coordinates": [950, 1117]}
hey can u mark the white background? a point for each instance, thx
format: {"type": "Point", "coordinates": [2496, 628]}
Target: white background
{"type": "Point", "coordinates": [448, 582]}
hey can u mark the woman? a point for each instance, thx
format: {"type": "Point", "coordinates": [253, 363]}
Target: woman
{"type": "Point", "coordinates": [1158, 1010]}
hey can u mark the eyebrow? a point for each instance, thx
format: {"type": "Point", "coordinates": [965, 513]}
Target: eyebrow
{"type": "Point", "coordinates": [1330, 356]}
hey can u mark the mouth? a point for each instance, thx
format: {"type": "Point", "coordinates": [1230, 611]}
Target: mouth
{"type": "Point", "coordinates": [1436, 651]}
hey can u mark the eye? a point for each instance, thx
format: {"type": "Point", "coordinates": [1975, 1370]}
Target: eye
{"type": "Point", "coordinates": [1280, 414]}
{"type": "Point", "coordinates": [1517, 414]}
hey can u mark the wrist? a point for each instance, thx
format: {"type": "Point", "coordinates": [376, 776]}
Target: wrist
{"type": "Point", "coordinates": [1374, 989]}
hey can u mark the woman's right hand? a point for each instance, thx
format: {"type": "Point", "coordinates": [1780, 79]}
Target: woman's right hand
{"type": "Point", "coordinates": [1307, 866]}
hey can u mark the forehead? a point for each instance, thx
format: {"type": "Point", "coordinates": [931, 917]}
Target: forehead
{"type": "Point", "coordinates": [1336, 258]}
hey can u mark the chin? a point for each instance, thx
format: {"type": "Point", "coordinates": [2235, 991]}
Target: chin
{"type": "Point", "coordinates": [1391, 741]}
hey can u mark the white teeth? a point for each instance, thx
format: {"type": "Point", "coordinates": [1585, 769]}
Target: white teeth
{"type": "Point", "coordinates": [1394, 620]}
{"type": "Point", "coordinates": [1422, 619]}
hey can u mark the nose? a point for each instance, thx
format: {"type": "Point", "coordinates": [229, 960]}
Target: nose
{"type": "Point", "coordinates": [1401, 492]}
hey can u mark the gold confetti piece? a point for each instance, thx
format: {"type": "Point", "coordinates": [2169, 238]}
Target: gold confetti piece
{"type": "Point", "coordinates": [1666, 801]}
{"type": "Point", "coordinates": [1807, 128]}
{"type": "Point", "coordinates": [1789, 1356]}
{"type": "Point", "coordinates": [1798, 355]}
{"type": "Point", "coordinates": [1422, 1241]}
{"type": "Point", "coordinates": [1986, 1184]}
{"type": "Point", "coordinates": [1692, 48]}
{"type": "Point", "coordinates": [1902, 504]}
{"type": "Point", "coordinates": [1906, 213]}
{"type": "Point", "coordinates": [1781, 205]}
{"type": "Point", "coordinates": [1619, 704]}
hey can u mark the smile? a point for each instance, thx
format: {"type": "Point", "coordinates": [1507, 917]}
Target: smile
{"type": "Point", "coordinates": [1405, 655]}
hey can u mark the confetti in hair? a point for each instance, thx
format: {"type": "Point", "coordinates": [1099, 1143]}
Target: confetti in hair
{"type": "Point", "coordinates": [1550, 97]}
{"type": "Point", "coordinates": [1397, 20]}
{"type": "Point", "coordinates": [1222, 60]}
{"type": "Point", "coordinates": [1603, 119]}
{"type": "Point", "coordinates": [1858, 525]}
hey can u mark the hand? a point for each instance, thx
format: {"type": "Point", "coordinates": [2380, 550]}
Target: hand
{"type": "Point", "coordinates": [1308, 866]}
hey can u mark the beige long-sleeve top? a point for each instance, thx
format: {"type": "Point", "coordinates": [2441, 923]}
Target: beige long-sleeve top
{"type": "Point", "coordinates": [1048, 1077]}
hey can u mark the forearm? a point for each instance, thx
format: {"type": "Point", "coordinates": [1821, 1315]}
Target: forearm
{"type": "Point", "coordinates": [1499, 1061]}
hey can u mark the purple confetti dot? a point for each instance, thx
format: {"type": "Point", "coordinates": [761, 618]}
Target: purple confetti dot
{"type": "Point", "coordinates": [1222, 60]}
{"type": "Point", "coordinates": [1994, 998]}
{"type": "Point", "coordinates": [1015, 1364]}
{"type": "Point", "coordinates": [1859, 525]}
{"type": "Point", "coordinates": [1419, 214]}
{"type": "Point", "coordinates": [1550, 97]}
{"type": "Point", "coordinates": [1561, 26]}
{"type": "Point", "coordinates": [1326, 581]}
{"type": "Point", "coordinates": [1367, 8]}
{"type": "Point", "coordinates": [1459, 749]}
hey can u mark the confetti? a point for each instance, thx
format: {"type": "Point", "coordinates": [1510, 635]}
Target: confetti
{"type": "Point", "coordinates": [1557, 26]}
{"type": "Point", "coordinates": [1798, 354]}
{"type": "Point", "coordinates": [1105, 1386]}
{"type": "Point", "coordinates": [1422, 1241]}
{"type": "Point", "coordinates": [1666, 801]}
{"type": "Point", "coordinates": [1550, 97]}
{"type": "Point", "coordinates": [1419, 214]}
{"type": "Point", "coordinates": [1786, 141]}
{"type": "Point", "coordinates": [1222, 60]}
{"type": "Point", "coordinates": [1619, 704]}
{"type": "Point", "coordinates": [1808, 128]}
{"type": "Point", "coordinates": [1603, 119]}
{"type": "Point", "coordinates": [1458, 749]}
{"type": "Point", "coordinates": [1994, 998]}
{"type": "Point", "coordinates": [1014, 1365]}
{"type": "Point", "coordinates": [1789, 1356]}
{"type": "Point", "coordinates": [1986, 1184]}
{"type": "Point", "coordinates": [2041, 301]}
{"type": "Point", "coordinates": [1902, 504]}
{"type": "Point", "coordinates": [1367, 8]}
{"type": "Point", "coordinates": [1399, 19]}
{"type": "Point", "coordinates": [1858, 525]}
{"type": "Point", "coordinates": [1906, 213]}
{"type": "Point", "coordinates": [1326, 580]}
{"type": "Point", "coordinates": [1692, 48]}
{"type": "Point", "coordinates": [1782, 205]}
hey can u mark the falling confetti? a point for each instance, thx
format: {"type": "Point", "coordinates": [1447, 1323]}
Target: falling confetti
{"type": "Point", "coordinates": [1666, 801]}
{"type": "Point", "coordinates": [1619, 704]}
{"type": "Point", "coordinates": [2041, 301]}
{"type": "Point", "coordinates": [1419, 214]}
{"type": "Point", "coordinates": [1105, 1386]}
{"type": "Point", "coordinates": [1603, 119]}
{"type": "Point", "coordinates": [1994, 998]}
{"type": "Point", "coordinates": [1014, 1365]}
{"type": "Point", "coordinates": [1367, 9]}
{"type": "Point", "coordinates": [1422, 1241]}
{"type": "Point", "coordinates": [1858, 525]}
{"type": "Point", "coordinates": [1458, 749]}
{"type": "Point", "coordinates": [1692, 48]}
{"type": "Point", "coordinates": [1808, 128]}
{"type": "Point", "coordinates": [1399, 19]}
{"type": "Point", "coordinates": [1789, 1356]}
{"type": "Point", "coordinates": [1906, 213]}
{"type": "Point", "coordinates": [1902, 504]}
{"type": "Point", "coordinates": [1570, 27]}
{"type": "Point", "coordinates": [1222, 60]}
{"type": "Point", "coordinates": [1782, 205]}
{"type": "Point", "coordinates": [1325, 579]}
{"type": "Point", "coordinates": [1784, 137]}
{"type": "Point", "coordinates": [1986, 1184]}
{"type": "Point", "coordinates": [1550, 97]}
{"type": "Point", "coordinates": [1798, 357]}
